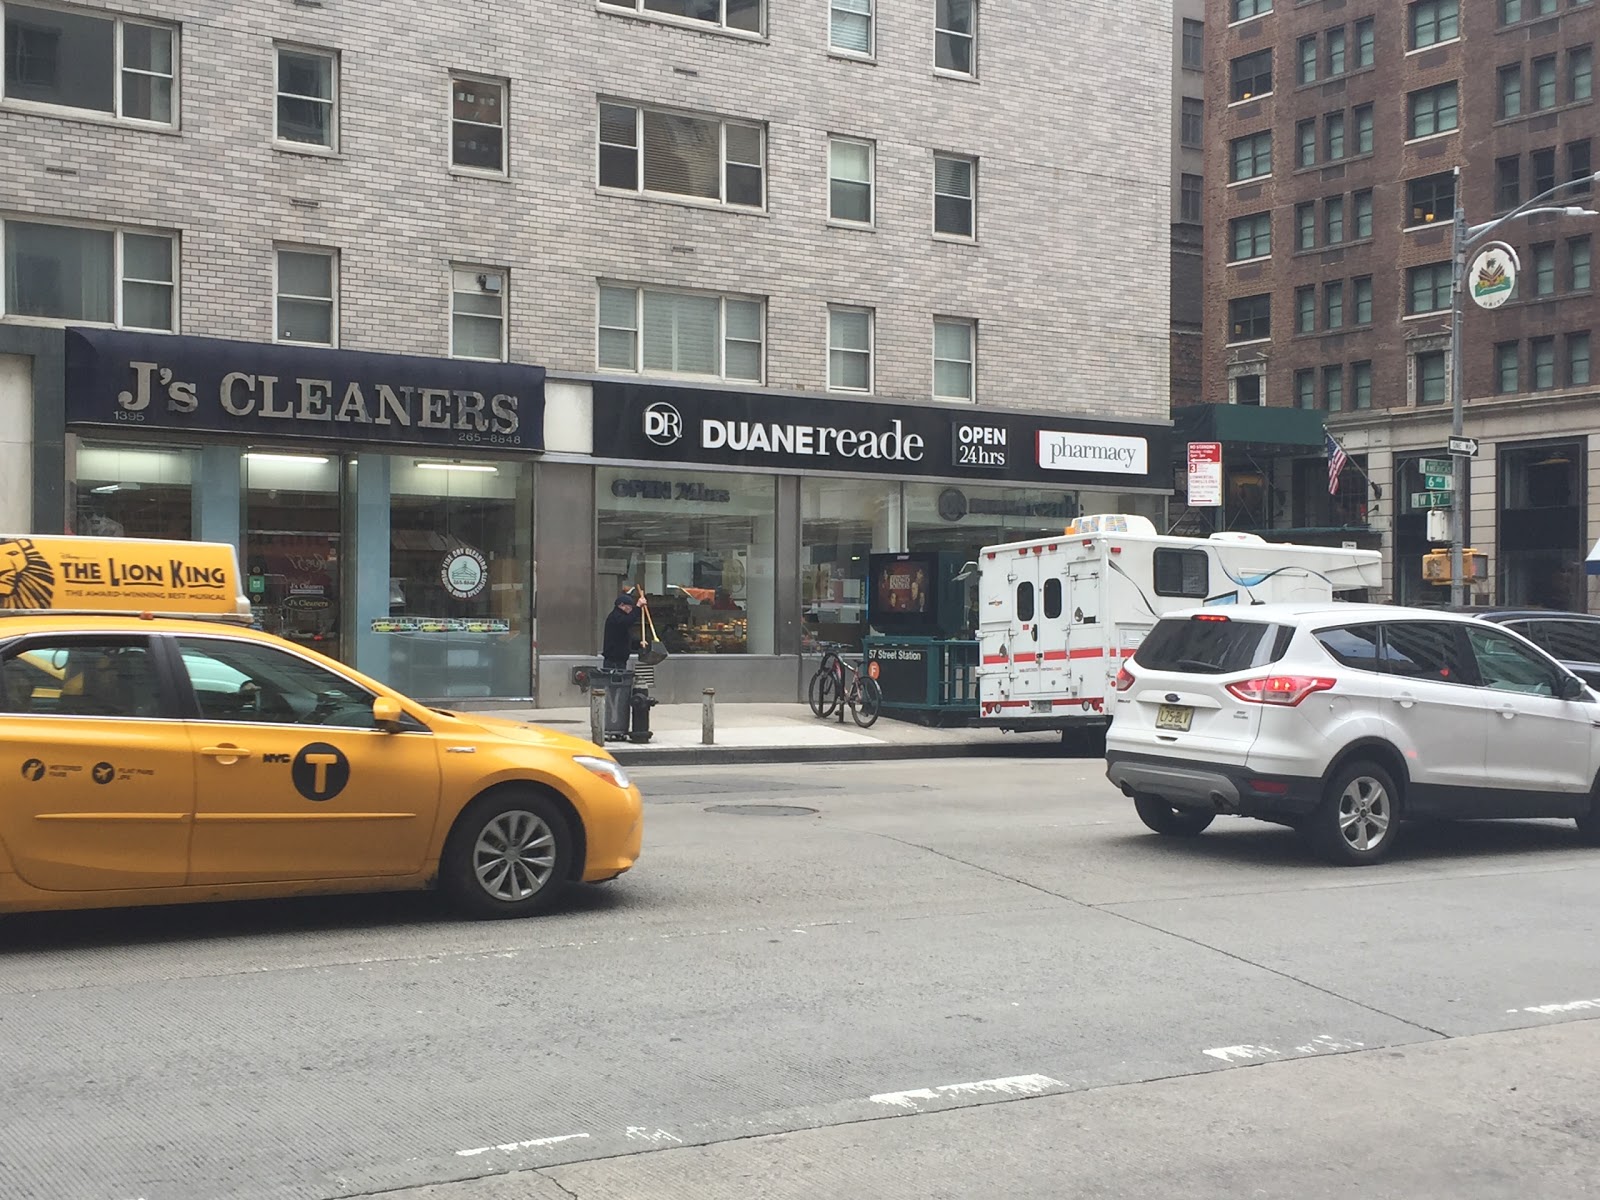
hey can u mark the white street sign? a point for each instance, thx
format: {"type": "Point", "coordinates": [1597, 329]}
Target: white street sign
{"type": "Point", "coordinates": [1465, 447]}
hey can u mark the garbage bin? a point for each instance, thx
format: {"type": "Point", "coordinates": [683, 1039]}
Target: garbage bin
{"type": "Point", "coordinates": [619, 697]}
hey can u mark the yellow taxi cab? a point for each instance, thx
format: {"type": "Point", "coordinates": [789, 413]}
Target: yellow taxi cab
{"type": "Point", "coordinates": [155, 749]}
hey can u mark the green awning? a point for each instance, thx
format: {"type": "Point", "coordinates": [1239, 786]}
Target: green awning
{"type": "Point", "coordinates": [1238, 425]}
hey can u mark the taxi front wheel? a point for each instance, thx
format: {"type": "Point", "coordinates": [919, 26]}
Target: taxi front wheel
{"type": "Point", "coordinates": [507, 856]}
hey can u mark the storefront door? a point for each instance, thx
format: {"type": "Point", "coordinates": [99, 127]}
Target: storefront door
{"type": "Point", "coordinates": [292, 546]}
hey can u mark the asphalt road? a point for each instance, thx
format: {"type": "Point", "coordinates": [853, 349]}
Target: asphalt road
{"type": "Point", "coordinates": [958, 978]}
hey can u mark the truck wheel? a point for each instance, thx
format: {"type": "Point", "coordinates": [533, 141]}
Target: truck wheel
{"type": "Point", "coordinates": [1358, 818]}
{"type": "Point", "coordinates": [507, 856]}
{"type": "Point", "coordinates": [1173, 822]}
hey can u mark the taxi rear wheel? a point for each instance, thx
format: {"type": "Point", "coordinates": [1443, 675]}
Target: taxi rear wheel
{"type": "Point", "coordinates": [507, 856]}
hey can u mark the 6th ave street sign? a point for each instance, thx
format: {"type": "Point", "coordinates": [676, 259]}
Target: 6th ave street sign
{"type": "Point", "coordinates": [1464, 446]}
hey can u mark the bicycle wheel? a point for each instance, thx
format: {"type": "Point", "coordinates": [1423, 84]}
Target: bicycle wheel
{"type": "Point", "coordinates": [823, 694]}
{"type": "Point", "coordinates": [868, 701]}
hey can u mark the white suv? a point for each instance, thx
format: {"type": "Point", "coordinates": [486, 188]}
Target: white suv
{"type": "Point", "coordinates": [1342, 720]}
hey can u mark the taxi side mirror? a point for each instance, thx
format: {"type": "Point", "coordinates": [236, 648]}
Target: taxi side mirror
{"type": "Point", "coordinates": [387, 714]}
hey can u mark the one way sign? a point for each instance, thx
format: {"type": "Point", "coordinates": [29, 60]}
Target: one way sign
{"type": "Point", "coordinates": [1464, 446]}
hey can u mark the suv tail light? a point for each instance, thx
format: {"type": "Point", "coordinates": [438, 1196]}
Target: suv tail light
{"type": "Point", "coordinates": [1124, 678]}
{"type": "Point", "coordinates": [1284, 690]}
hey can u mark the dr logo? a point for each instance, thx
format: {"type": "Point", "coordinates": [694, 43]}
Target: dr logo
{"type": "Point", "coordinates": [320, 771]}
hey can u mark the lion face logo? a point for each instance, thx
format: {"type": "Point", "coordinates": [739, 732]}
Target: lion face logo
{"type": "Point", "coordinates": [26, 580]}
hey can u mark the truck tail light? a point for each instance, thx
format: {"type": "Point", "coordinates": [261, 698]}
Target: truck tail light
{"type": "Point", "coordinates": [1283, 690]}
{"type": "Point", "coordinates": [1124, 679]}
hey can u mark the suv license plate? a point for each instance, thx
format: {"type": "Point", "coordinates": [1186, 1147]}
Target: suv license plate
{"type": "Point", "coordinates": [1177, 717]}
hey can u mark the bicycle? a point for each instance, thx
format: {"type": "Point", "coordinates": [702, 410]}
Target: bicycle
{"type": "Point", "coordinates": [839, 683]}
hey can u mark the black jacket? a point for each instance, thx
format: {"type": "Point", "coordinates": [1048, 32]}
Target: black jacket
{"type": "Point", "coordinates": [621, 637]}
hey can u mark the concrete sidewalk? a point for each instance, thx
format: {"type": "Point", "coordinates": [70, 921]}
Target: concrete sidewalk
{"type": "Point", "coordinates": [768, 733]}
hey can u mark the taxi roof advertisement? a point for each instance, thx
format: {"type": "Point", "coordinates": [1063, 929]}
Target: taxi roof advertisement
{"type": "Point", "coordinates": [251, 389]}
{"type": "Point", "coordinates": [120, 575]}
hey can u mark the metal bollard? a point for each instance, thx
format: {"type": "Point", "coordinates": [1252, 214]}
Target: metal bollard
{"type": "Point", "coordinates": [708, 717]}
{"type": "Point", "coordinates": [597, 716]}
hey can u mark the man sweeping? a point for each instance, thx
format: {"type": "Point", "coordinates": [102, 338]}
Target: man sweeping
{"type": "Point", "coordinates": [622, 639]}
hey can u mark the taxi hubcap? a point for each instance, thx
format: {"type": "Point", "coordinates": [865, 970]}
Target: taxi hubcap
{"type": "Point", "coordinates": [515, 856]}
{"type": "Point", "coordinates": [1364, 813]}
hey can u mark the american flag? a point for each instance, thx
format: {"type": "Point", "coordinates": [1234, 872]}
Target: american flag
{"type": "Point", "coordinates": [1336, 461]}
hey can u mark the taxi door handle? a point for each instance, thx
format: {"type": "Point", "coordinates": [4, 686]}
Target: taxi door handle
{"type": "Point", "coordinates": [224, 754]}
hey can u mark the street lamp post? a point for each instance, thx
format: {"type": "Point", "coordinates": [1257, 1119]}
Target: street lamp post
{"type": "Point", "coordinates": [1463, 238]}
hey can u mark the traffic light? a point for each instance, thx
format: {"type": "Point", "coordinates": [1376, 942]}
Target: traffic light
{"type": "Point", "coordinates": [1436, 565]}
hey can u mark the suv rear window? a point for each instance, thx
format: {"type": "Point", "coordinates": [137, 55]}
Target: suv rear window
{"type": "Point", "coordinates": [1212, 647]}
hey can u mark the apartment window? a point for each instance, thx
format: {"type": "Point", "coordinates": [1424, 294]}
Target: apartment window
{"type": "Point", "coordinates": [658, 332]}
{"type": "Point", "coordinates": [1544, 269]}
{"type": "Point", "coordinates": [1432, 387]}
{"type": "Point", "coordinates": [1251, 236]}
{"type": "Point", "coordinates": [1336, 50]}
{"type": "Point", "coordinates": [1252, 76]}
{"type": "Point", "coordinates": [1543, 164]}
{"type": "Point", "coordinates": [1362, 202]}
{"type": "Point", "coordinates": [1305, 388]}
{"type": "Point", "coordinates": [1578, 250]}
{"type": "Point", "coordinates": [850, 26]}
{"type": "Point", "coordinates": [91, 63]}
{"type": "Point", "coordinates": [478, 124]}
{"type": "Point", "coordinates": [1363, 298]}
{"type": "Point", "coordinates": [953, 192]}
{"type": "Point", "coordinates": [850, 181]}
{"type": "Point", "coordinates": [1510, 77]}
{"type": "Point", "coordinates": [1363, 114]}
{"type": "Point", "coordinates": [1305, 136]}
{"type": "Point", "coordinates": [1333, 304]}
{"type": "Point", "coordinates": [1433, 110]}
{"type": "Point", "coordinates": [1333, 388]}
{"type": "Point", "coordinates": [741, 15]}
{"type": "Point", "coordinates": [1333, 220]}
{"type": "Point", "coordinates": [1544, 82]}
{"type": "Point", "coordinates": [1432, 198]}
{"type": "Point", "coordinates": [850, 349]}
{"type": "Point", "coordinates": [1366, 42]}
{"type": "Point", "coordinates": [1434, 21]}
{"type": "Point", "coordinates": [1250, 318]}
{"type": "Point", "coordinates": [1243, 10]}
{"type": "Point", "coordinates": [1579, 164]}
{"type": "Point", "coordinates": [1580, 73]}
{"type": "Point", "coordinates": [1578, 359]}
{"type": "Point", "coordinates": [954, 355]}
{"type": "Point", "coordinates": [1542, 356]}
{"type": "Point", "coordinates": [1305, 310]}
{"type": "Point", "coordinates": [478, 313]}
{"type": "Point", "coordinates": [1507, 369]}
{"type": "Point", "coordinates": [1194, 45]}
{"type": "Point", "coordinates": [1507, 183]}
{"type": "Point", "coordinates": [1189, 192]}
{"type": "Point", "coordinates": [1428, 288]}
{"type": "Point", "coordinates": [1512, 11]}
{"type": "Point", "coordinates": [1306, 72]}
{"type": "Point", "coordinates": [1193, 128]}
{"type": "Point", "coordinates": [1333, 136]}
{"type": "Point", "coordinates": [682, 154]}
{"type": "Point", "coordinates": [1361, 385]}
{"type": "Point", "coordinates": [308, 83]}
{"type": "Point", "coordinates": [1305, 222]}
{"type": "Point", "coordinates": [80, 273]}
{"type": "Point", "coordinates": [1251, 156]}
{"type": "Point", "coordinates": [956, 36]}
{"type": "Point", "coordinates": [308, 297]}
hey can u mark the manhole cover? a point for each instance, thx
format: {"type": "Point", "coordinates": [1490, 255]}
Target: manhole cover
{"type": "Point", "coordinates": [762, 810]}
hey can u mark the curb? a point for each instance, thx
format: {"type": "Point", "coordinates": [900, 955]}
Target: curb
{"type": "Point", "coordinates": [891, 752]}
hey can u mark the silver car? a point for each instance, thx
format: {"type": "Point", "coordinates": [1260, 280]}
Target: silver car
{"type": "Point", "coordinates": [1343, 720]}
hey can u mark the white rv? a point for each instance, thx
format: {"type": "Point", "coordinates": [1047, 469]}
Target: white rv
{"type": "Point", "coordinates": [1056, 616]}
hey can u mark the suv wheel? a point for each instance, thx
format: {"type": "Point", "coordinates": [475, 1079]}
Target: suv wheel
{"type": "Point", "coordinates": [1174, 822]}
{"type": "Point", "coordinates": [1359, 815]}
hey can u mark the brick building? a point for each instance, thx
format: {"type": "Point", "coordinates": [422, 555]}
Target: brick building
{"type": "Point", "coordinates": [714, 297]}
{"type": "Point", "coordinates": [1338, 135]}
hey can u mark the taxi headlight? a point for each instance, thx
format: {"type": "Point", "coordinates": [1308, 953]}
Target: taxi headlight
{"type": "Point", "coordinates": [603, 767]}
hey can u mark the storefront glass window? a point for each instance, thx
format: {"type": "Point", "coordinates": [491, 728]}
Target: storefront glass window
{"type": "Point", "coordinates": [130, 491]}
{"type": "Point", "coordinates": [459, 619]}
{"type": "Point", "coordinates": [1542, 540]}
{"type": "Point", "coordinates": [292, 546]}
{"type": "Point", "coordinates": [701, 544]}
{"type": "Point", "coordinates": [843, 521]}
